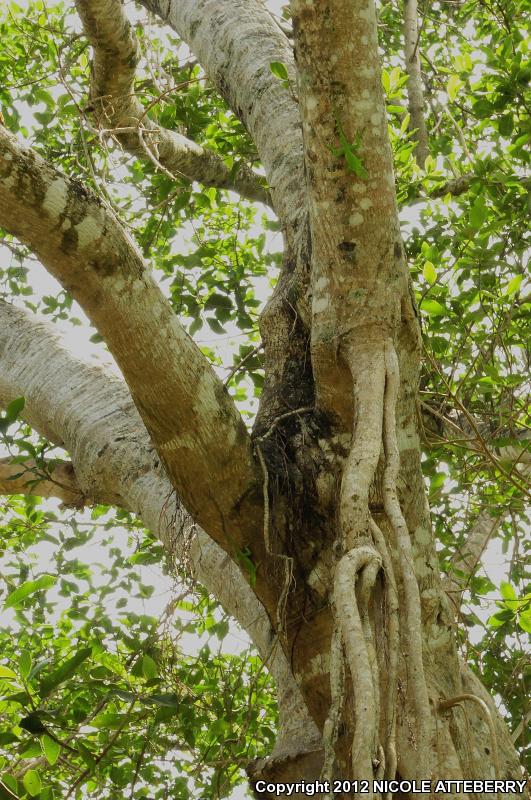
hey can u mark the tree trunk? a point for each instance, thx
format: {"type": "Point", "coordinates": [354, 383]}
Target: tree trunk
{"type": "Point", "coordinates": [327, 494]}
{"type": "Point", "coordinates": [373, 645]}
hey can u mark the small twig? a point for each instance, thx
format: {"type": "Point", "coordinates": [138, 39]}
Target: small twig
{"type": "Point", "coordinates": [159, 97]}
{"type": "Point", "coordinates": [154, 160]}
{"type": "Point", "coordinates": [139, 764]}
{"type": "Point", "coordinates": [240, 364]}
{"type": "Point", "coordinates": [103, 753]}
{"type": "Point", "coordinates": [280, 418]}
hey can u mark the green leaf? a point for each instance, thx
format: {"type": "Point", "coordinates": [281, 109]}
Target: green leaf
{"type": "Point", "coordinates": [149, 668]}
{"type": "Point", "coordinates": [32, 782]}
{"type": "Point", "coordinates": [166, 700]}
{"type": "Point", "coordinates": [501, 617]}
{"type": "Point", "coordinates": [110, 721]}
{"type": "Point", "coordinates": [506, 125]}
{"type": "Point", "coordinates": [429, 272]}
{"type": "Point", "coordinates": [14, 408]}
{"type": "Point", "coordinates": [514, 285]}
{"type": "Point", "coordinates": [478, 213]}
{"type": "Point", "coordinates": [129, 696]}
{"type": "Point", "coordinates": [482, 107]}
{"type": "Point", "coordinates": [214, 325]}
{"type": "Point", "coordinates": [27, 589]}
{"type": "Point", "coordinates": [7, 737]}
{"type": "Point", "coordinates": [86, 755]}
{"type": "Point", "coordinates": [25, 663]}
{"type": "Point", "coordinates": [524, 620]}
{"type": "Point", "coordinates": [5, 672]}
{"type": "Point", "coordinates": [507, 591]}
{"type": "Point", "coordinates": [51, 749]}
{"type": "Point", "coordinates": [22, 698]}
{"type": "Point", "coordinates": [279, 70]}
{"type": "Point", "coordinates": [50, 682]}
{"type": "Point", "coordinates": [433, 308]}
{"type": "Point", "coordinates": [453, 86]}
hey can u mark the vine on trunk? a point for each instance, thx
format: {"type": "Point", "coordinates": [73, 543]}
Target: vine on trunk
{"type": "Point", "coordinates": [366, 555]}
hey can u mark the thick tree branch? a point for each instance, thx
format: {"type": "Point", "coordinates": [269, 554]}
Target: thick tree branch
{"type": "Point", "coordinates": [116, 107]}
{"type": "Point", "coordinates": [53, 478]}
{"type": "Point", "coordinates": [89, 412]}
{"type": "Point", "coordinates": [235, 42]}
{"type": "Point", "coordinates": [191, 418]}
{"type": "Point", "coordinates": [467, 558]}
{"type": "Point", "coordinates": [415, 91]}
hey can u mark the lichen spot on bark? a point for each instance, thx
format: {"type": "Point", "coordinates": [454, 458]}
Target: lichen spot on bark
{"type": "Point", "coordinates": [88, 231]}
{"type": "Point", "coordinates": [56, 198]}
{"type": "Point", "coordinates": [367, 71]}
{"type": "Point", "coordinates": [367, 13]}
{"type": "Point", "coordinates": [320, 304]}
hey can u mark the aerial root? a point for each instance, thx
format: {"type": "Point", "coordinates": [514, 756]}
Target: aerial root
{"type": "Point", "coordinates": [393, 643]}
{"type": "Point", "coordinates": [444, 705]}
{"type": "Point", "coordinates": [375, 373]}
{"type": "Point", "coordinates": [360, 564]}
{"type": "Point", "coordinates": [368, 372]}
{"type": "Point", "coordinates": [337, 691]}
{"type": "Point", "coordinates": [413, 641]}
{"type": "Point", "coordinates": [367, 581]}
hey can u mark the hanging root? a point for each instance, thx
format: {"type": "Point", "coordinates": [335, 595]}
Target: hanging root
{"type": "Point", "coordinates": [444, 705]}
{"type": "Point", "coordinates": [367, 580]}
{"type": "Point", "coordinates": [374, 368]}
{"type": "Point", "coordinates": [288, 560]}
{"type": "Point", "coordinates": [349, 617]}
{"type": "Point", "coordinates": [360, 562]}
{"type": "Point", "coordinates": [413, 640]}
{"type": "Point", "coordinates": [393, 643]}
{"type": "Point", "coordinates": [337, 691]}
{"type": "Point", "coordinates": [358, 473]}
